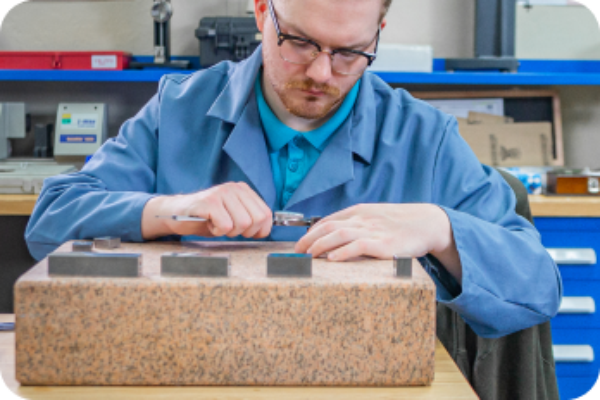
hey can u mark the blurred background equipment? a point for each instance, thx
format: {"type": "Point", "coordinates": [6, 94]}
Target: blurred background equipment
{"type": "Point", "coordinates": [12, 125]}
{"type": "Point", "coordinates": [227, 38]}
{"type": "Point", "coordinates": [43, 140]}
{"type": "Point", "coordinates": [80, 130]}
{"type": "Point", "coordinates": [403, 58]}
{"type": "Point", "coordinates": [65, 60]}
{"type": "Point", "coordinates": [574, 182]}
{"type": "Point", "coordinates": [494, 38]}
{"type": "Point", "coordinates": [162, 12]}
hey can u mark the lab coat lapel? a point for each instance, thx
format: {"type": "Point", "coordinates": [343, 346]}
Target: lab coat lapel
{"type": "Point", "coordinates": [233, 98]}
{"type": "Point", "coordinates": [247, 147]}
{"type": "Point", "coordinates": [334, 167]}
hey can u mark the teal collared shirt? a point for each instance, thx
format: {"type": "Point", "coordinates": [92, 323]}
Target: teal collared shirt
{"type": "Point", "coordinates": [293, 153]}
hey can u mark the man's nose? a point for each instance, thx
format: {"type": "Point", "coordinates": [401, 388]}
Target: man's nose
{"type": "Point", "coordinates": [320, 69]}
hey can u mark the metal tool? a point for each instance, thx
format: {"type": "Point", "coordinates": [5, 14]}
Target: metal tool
{"type": "Point", "coordinates": [162, 12]}
{"type": "Point", "coordinates": [285, 218]}
{"type": "Point", "coordinates": [281, 218]}
{"type": "Point", "coordinates": [7, 326]}
{"type": "Point", "coordinates": [182, 218]}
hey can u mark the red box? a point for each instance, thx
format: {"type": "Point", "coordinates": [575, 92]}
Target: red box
{"type": "Point", "coordinates": [65, 60]}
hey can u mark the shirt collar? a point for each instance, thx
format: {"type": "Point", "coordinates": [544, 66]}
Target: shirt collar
{"type": "Point", "coordinates": [278, 134]}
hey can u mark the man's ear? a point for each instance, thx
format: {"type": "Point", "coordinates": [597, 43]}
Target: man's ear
{"type": "Point", "coordinates": [383, 23]}
{"type": "Point", "coordinates": [260, 11]}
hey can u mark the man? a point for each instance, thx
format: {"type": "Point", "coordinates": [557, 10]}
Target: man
{"type": "Point", "coordinates": [300, 126]}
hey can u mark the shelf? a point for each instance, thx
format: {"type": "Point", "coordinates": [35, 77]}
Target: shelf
{"type": "Point", "coordinates": [564, 206]}
{"type": "Point", "coordinates": [531, 72]}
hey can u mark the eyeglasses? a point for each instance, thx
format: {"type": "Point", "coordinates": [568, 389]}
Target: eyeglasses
{"type": "Point", "coordinates": [299, 50]}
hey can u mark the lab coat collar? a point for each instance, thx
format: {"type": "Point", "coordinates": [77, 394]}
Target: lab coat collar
{"type": "Point", "coordinates": [233, 98]}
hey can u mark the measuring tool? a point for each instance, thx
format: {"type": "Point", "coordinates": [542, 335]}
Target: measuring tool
{"type": "Point", "coordinates": [281, 218]}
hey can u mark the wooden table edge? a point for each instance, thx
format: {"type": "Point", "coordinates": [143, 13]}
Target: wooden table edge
{"type": "Point", "coordinates": [541, 205]}
{"type": "Point", "coordinates": [17, 204]}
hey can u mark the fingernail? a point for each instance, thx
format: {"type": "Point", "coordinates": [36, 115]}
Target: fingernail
{"type": "Point", "coordinates": [333, 256]}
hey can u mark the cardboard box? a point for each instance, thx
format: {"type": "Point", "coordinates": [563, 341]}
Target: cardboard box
{"type": "Point", "coordinates": [482, 118]}
{"type": "Point", "coordinates": [510, 145]}
{"type": "Point", "coordinates": [524, 106]}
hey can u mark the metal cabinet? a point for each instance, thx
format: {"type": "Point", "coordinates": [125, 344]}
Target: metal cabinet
{"type": "Point", "coordinates": [574, 243]}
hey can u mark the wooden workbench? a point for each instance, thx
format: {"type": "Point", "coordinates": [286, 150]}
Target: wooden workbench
{"type": "Point", "coordinates": [449, 383]}
{"type": "Point", "coordinates": [565, 206]}
{"type": "Point", "coordinates": [17, 204]}
{"type": "Point", "coordinates": [541, 206]}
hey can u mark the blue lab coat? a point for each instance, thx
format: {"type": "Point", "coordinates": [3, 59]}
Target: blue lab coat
{"type": "Point", "coordinates": [203, 129]}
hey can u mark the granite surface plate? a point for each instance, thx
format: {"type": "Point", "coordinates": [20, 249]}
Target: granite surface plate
{"type": "Point", "coordinates": [350, 324]}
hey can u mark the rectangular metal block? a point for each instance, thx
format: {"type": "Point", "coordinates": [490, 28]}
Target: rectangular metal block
{"type": "Point", "coordinates": [292, 264]}
{"type": "Point", "coordinates": [83, 246]}
{"type": "Point", "coordinates": [95, 264]}
{"type": "Point", "coordinates": [107, 243]}
{"type": "Point", "coordinates": [403, 267]}
{"type": "Point", "coordinates": [194, 264]}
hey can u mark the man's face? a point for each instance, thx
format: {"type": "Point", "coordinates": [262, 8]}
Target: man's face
{"type": "Point", "coordinates": [311, 91]}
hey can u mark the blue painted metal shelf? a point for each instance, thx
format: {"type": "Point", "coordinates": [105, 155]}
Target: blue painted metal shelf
{"type": "Point", "coordinates": [531, 72]}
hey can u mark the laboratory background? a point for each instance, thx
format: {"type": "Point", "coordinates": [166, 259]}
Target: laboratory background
{"type": "Point", "coordinates": [538, 99]}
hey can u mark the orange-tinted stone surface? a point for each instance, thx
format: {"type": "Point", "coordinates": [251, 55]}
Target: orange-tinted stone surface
{"type": "Point", "coordinates": [351, 324]}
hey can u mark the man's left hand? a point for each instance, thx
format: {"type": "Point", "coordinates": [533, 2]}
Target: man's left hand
{"type": "Point", "coordinates": [382, 231]}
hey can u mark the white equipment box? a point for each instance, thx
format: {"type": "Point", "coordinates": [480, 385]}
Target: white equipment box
{"type": "Point", "coordinates": [80, 129]}
{"type": "Point", "coordinates": [403, 58]}
{"type": "Point", "coordinates": [27, 176]}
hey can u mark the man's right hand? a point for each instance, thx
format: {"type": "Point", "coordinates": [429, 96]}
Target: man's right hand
{"type": "Point", "coordinates": [232, 209]}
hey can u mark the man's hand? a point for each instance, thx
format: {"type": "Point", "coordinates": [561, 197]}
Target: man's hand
{"type": "Point", "coordinates": [231, 209]}
{"type": "Point", "coordinates": [382, 231]}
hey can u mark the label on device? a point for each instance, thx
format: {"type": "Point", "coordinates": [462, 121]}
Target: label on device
{"type": "Point", "coordinates": [104, 62]}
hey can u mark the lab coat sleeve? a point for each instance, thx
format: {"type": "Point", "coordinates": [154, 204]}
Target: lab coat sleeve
{"type": "Point", "coordinates": [509, 281]}
{"type": "Point", "coordinates": [107, 197]}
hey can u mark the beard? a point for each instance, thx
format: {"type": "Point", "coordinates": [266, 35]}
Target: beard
{"type": "Point", "coordinates": [308, 107]}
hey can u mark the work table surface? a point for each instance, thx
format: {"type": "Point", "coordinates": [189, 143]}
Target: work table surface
{"type": "Point", "coordinates": [449, 383]}
{"type": "Point", "coordinates": [541, 206]}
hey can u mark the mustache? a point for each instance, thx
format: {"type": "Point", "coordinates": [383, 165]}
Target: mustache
{"type": "Point", "coordinates": [309, 84]}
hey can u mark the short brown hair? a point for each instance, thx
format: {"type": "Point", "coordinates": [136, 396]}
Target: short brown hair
{"type": "Point", "coordinates": [386, 7]}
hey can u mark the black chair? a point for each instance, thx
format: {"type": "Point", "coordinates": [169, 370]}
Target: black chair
{"type": "Point", "coordinates": [514, 367]}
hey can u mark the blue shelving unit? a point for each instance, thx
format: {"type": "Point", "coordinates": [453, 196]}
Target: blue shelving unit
{"type": "Point", "coordinates": [531, 72]}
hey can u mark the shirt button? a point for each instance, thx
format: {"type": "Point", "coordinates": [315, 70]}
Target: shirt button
{"type": "Point", "coordinates": [293, 166]}
{"type": "Point", "coordinates": [297, 140]}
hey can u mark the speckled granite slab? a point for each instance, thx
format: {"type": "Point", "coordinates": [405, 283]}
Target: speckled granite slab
{"type": "Point", "coordinates": [350, 324]}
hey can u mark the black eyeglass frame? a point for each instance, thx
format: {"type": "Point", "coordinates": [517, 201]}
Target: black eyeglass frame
{"type": "Point", "coordinates": [282, 37]}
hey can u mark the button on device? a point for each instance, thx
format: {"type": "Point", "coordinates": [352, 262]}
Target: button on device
{"type": "Point", "coordinates": [293, 166]}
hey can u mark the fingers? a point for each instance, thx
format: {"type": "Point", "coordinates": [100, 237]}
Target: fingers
{"type": "Point", "coordinates": [342, 215]}
{"type": "Point", "coordinates": [237, 210]}
{"type": "Point", "coordinates": [332, 241]}
{"type": "Point", "coordinates": [259, 212]}
{"type": "Point", "coordinates": [318, 232]}
{"type": "Point", "coordinates": [357, 248]}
